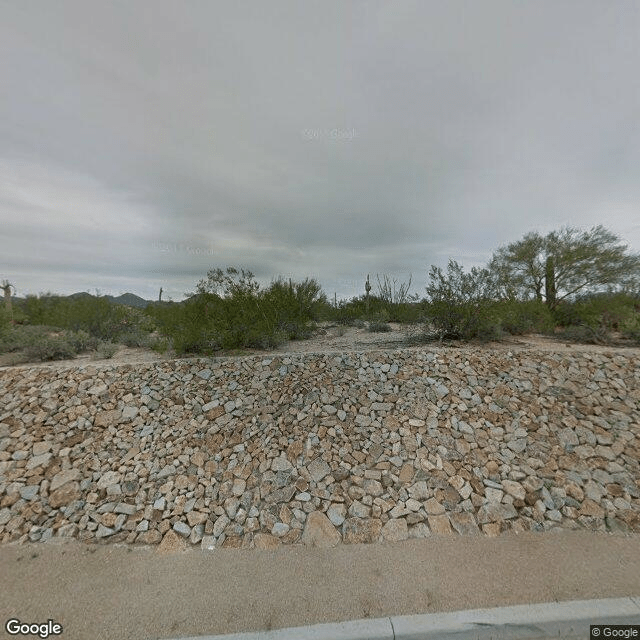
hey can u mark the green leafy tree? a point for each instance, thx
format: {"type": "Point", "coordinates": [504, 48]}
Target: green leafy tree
{"type": "Point", "coordinates": [562, 264]}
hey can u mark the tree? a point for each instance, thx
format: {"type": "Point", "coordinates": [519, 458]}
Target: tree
{"type": "Point", "coordinates": [518, 270]}
{"type": "Point", "coordinates": [564, 262]}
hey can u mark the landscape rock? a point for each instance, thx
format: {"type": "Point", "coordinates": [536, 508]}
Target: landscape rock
{"type": "Point", "coordinates": [263, 451]}
{"type": "Point", "coordinates": [319, 531]}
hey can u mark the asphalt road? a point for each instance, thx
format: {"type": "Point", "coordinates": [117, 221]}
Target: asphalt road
{"type": "Point", "coordinates": [114, 591]}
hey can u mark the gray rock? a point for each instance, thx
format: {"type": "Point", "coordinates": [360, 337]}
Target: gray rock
{"type": "Point", "coordinates": [182, 528]}
{"type": "Point", "coordinates": [318, 469]}
{"type": "Point", "coordinates": [104, 532]}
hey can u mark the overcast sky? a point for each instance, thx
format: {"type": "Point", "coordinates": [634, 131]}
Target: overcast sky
{"type": "Point", "coordinates": [143, 143]}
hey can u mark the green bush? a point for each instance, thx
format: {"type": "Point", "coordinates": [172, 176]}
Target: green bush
{"type": "Point", "coordinates": [133, 338]}
{"type": "Point", "coordinates": [96, 315]}
{"type": "Point", "coordinates": [18, 338]}
{"type": "Point", "coordinates": [106, 350]}
{"type": "Point", "coordinates": [82, 341]}
{"type": "Point", "coordinates": [584, 334]}
{"type": "Point", "coordinates": [612, 311]}
{"type": "Point", "coordinates": [461, 304]}
{"type": "Point", "coordinates": [50, 348]}
{"type": "Point", "coordinates": [230, 312]}
{"type": "Point", "coordinates": [160, 345]}
{"type": "Point", "coordinates": [377, 326]}
{"type": "Point", "coordinates": [518, 318]}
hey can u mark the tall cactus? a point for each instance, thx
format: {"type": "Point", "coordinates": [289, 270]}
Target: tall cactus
{"type": "Point", "coordinates": [6, 287]}
{"type": "Point", "coordinates": [160, 295]}
{"type": "Point", "coordinates": [367, 288]}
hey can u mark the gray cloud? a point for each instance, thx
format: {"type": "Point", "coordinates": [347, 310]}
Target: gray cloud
{"type": "Point", "coordinates": [142, 144]}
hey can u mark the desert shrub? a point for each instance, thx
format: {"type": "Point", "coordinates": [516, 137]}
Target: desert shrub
{"type": "Point", "coordinates": [382, 315]}
{"type": "Point", "coordinates": [159, 345]}
{"type": "Point", "coordinates": [358, 323]}
{"type": "Point", "coordinates": [406, 312]}
{"type": "Point", "coordinates": [229, 312]}
{"type": "Point", "coordinates": [50, 348]}
{"type": "Point", "coordinates": [96, 315]}
{"type": "Point", "coordinates": [378, 326]}
{"type": "Point", "coordinates": [518, 318]}
{"type": "Point", "coordinates": [584, 334]}
{"type": "Point", "coordinates": [613, 311]}
{"type": "Point", "coordinates": [5, 321]}
{"type": "Point", "coordinates": [461, 305]}
{"type": "Point", "coordinates": [134, 338]}
{"type": "Point", "coordinates": [106, 350]}
{"type": "Point", "coordinates": [82, 340]}
{"type": "Point", "coordinates": [17, 338]}
{"type": "Point", "coordinates": [631, 331]}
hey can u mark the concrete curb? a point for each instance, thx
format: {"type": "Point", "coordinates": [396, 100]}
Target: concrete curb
{"type": "Point", "coordinates": [555, 619]}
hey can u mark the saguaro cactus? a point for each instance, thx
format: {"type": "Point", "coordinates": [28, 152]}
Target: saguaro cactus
{"type": "Point", "coordinates": [160, 295]}
{"type": "Point", "coordinates": [367, 288]}
{"type": "Point", "coordinates": [6, 287]}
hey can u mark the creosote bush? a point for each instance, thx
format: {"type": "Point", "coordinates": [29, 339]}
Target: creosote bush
{"type": "Point", "coordinates": [378, 326]}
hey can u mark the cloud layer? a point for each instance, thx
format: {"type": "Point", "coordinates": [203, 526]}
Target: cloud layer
{"type": "Point", "coordinates": [142, 144]}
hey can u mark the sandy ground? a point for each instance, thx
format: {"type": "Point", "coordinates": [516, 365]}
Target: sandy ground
{"type": "Point", "coordinates": [121, 592]}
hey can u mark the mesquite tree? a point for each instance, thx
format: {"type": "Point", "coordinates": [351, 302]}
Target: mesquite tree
{"type": "Point", "coordinates": [563, 263]}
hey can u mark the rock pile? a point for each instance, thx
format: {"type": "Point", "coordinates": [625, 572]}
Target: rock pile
{"type": "Point", "coordinates": [321, 448]}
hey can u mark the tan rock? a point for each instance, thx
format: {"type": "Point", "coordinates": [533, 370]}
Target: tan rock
{"type": "Point", "coordinates": [153, 536]}
{"type": "Point", "coordinates": [171, 543]}
{"type": "Point", "coordinates": [406, 473]}
{"type": "Point", "coordinates": [395, 530]}
{"type": "Point", "coordinates": [591, 508]}
{"type": "Point", "coordinates": [214, 413]}
{"type": "Point", "coordinates": [60, 479]}
{"type": "Point", "coordinates": [433, 507]}
{"type": "Point", "coordinates": [64, 495]}
{"type": "Point", "coordinates": [491, 529]}
{"type": "Point", "coordinates": [196, 517]}
{"type": "Point", "coordinates": [574, 491]}
{"type": "Point", "coordinates": [464, 523]}
{"type": "Point", "coordinates": [107, 418]}
{"type": "Point", "coordinates": [440, 525]}
{"type": "Point", "coordinates": [265, 541]}
{"type": "Point", "coordinates": [360, 531]}
{"type": "Point", "coordinates": [319, 531]}
{"type": "Point", "coordinates": [232, 542]}
{"type": "Point", "coordinates": [514, 489]}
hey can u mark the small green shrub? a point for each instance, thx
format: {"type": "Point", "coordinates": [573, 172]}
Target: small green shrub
{"type": "Point", "coordinates": [159, 345]}
{"type": "Point", "coordinates": [461, 304]}
{"type": "Point", "coordinates": [134, 338]}
{"type": "Point", "coordinates": [518, 318]}
{"type": "Point", "coordinates": [50, 348]}
{"type": "Point", "coordinates": [81, 340]}
{"type": "Point", "coordinates": [584, 334]}
{"type": "Point", "coordinates": [106, 350]}
{"type": "Point", "coordinates": [377, 326]}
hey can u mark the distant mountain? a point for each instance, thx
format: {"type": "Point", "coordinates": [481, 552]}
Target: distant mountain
{"type": "Point", "coordinates": [126, 299]}
{"type": "Point", "coordinates": [130, 300]}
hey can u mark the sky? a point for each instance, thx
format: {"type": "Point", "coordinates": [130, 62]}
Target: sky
{"type": "Point", "coordinates": [143, 143]}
